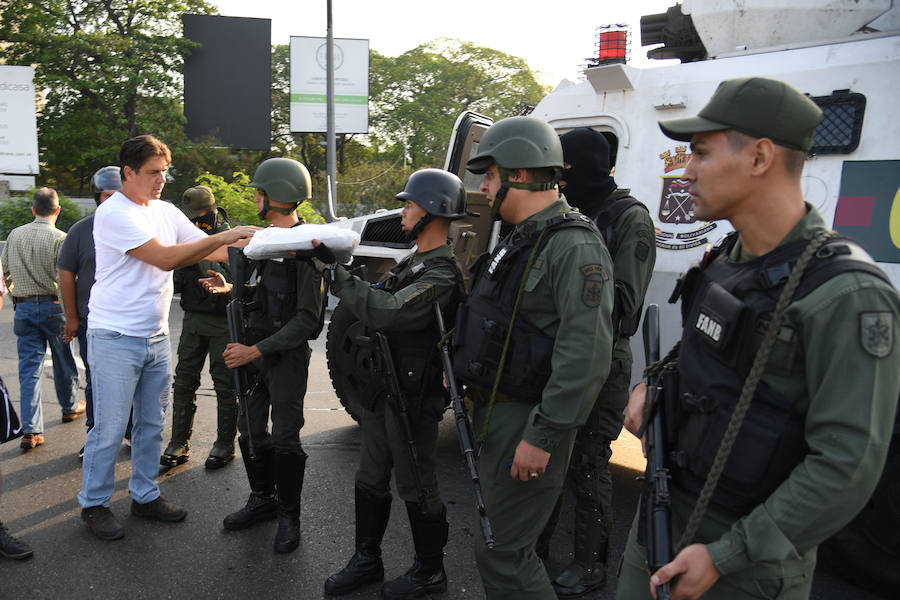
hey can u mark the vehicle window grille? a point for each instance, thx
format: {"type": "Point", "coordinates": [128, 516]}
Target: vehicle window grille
{"type": "Point", "coordinates": [841, 125]}
{"type": "Point", "coordinates": [385, 231]}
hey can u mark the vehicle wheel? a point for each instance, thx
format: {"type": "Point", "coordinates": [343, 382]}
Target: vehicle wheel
{"type": "Point", "coordinates": [349, 364]}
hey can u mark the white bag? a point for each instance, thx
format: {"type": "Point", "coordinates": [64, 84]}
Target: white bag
{"type": "Point", "coordinates": [276, 242]}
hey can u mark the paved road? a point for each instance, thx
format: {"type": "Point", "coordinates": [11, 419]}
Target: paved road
{"type": "Point", "coordinates": [197, 558]}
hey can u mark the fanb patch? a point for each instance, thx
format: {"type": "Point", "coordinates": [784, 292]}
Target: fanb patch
{"type": "Point", "coordinates": [876, 333]}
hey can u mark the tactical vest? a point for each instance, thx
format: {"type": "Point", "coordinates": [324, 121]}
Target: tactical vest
{"type": "Point", "coordinates": [417, 359]}
{"type": "Point", "coordinates": [614, 207]}
{"type": "Point", "coordinates": [196, 299]}
{"type": "Point", "coordinates": [726, 307]}
{"type": "Point", "coordinates": [484, 320]}
{"type": "Point", "coordinates": [274, 299]}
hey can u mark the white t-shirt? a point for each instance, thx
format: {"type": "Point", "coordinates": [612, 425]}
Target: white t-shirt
{"type": "Point", "coordinates": [129, 295]}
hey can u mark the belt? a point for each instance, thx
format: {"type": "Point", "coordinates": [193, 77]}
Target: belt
{"type": "Point", "coordinates": [17, 299]}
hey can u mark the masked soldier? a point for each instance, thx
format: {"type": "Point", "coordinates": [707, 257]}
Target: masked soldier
{"type": "Point", "coordinates": [533, 344]}
{"type": "Point", "coordinates": [628, 232]}
{"type": "Point", "coordinates": [204, 332]}
{"type": "Point", "coordinates": [283, 311]}
{"type": "Point", "coordinates": [402, 307]}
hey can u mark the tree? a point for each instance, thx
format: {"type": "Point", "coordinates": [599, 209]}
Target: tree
{"type": "Point", "coordinates": [238, 200]}
{"type": "Point", "coordinates": [111, 70]}
{"type": "Point", "coordinates": [17, 211]}
{"type": "Point", "coordinates": [416, 97]}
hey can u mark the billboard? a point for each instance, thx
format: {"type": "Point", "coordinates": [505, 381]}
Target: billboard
{"type": "Point", "coordinates": [228, 80]}
{"type": "Point", "coordinates": [308, 85]}
{"type": "Point", "coordinates": [18, 123]}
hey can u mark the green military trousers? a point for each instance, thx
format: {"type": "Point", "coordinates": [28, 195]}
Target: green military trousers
{"type": "Point", "coordinates": [383, 450]}
{"type": "Point", "coordinates": [518, 511]}
{"type": "Point", "coordinates": [193, 348]}
{"type": "Point", "coordinates": [279, 390]}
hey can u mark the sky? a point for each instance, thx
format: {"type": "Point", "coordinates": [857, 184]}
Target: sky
{"type": "Point", "coordinates": [553, 37]}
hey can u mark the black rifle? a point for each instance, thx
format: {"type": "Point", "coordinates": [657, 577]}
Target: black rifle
{"type": "Point", "coordinates": [242, 385]}
{"type": "Point", "coordinates": [464, 428]}
{"type": "Point", "coordinates": [655, 499]}
{"type": "Point", "coordinates": [397, 401]}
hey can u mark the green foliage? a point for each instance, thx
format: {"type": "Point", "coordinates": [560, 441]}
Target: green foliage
{"type": "Point", "coordinates": [417, 96]}
{"type": "Point", "coordinates": [17, 211]}
{"type": "Point", "coordinates": [238, 200]}
{"type": "Point", "coordinates": [110, 70]}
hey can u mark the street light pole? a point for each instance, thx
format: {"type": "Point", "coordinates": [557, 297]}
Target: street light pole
{"type": "Point", "coordinates": [330, 154]}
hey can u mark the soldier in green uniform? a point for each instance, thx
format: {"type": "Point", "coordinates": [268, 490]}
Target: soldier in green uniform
{"type": "Point", "coordinates": [204, 332]}
{"type": "Point", "coordinates": [628, 232]}
{"type": "Point", "coordinates": [401, 306]}
{"type": "Point", "coordinates": [284, 311]}
{"type": "Point", "coordinates": [533, 344]}
{"type": "Point", "coordinates": [813, 442]}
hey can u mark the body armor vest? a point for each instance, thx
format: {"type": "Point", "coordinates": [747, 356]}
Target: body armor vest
{"type": "Point", "coordinates": [274, 298]}
{"type": "Point", "coordinates": [483, 321]}
{"type": "Point", "coordinates": [417, 359]}
{"type": "Point", "coordinates": [726, 308]}
{"type": "Point", "coordinates": [614, 207]}
{"type": "Point", "coordinates": [196, 299]}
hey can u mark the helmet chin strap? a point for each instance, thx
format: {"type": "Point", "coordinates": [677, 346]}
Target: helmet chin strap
{"type": "Point", "coordinates": [506, 184]}
{"type": "Point", "coordinates": [266, 207]}
{"type": "Point", "coordinates": [418, 227]}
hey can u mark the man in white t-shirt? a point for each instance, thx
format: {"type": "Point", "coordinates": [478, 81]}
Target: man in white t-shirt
{"type": "Point", "coordinates": [138, 241]}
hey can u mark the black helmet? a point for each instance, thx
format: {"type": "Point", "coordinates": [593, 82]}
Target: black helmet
{"type": "Point", "coordinates": [107, 179]}
{"type": "Point", "coordinates": [439, 193]}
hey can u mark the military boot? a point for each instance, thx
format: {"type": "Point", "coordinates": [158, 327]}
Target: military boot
{"type": "Point", "coordinates": [372, 514]}
{"type": "Point", "coordinates": [222, 451]}
{"type": "Point", "coordinates": [289, 470]}
{"type": "Point", "coordinates": [179, 449]}
{"type": "Point", "coordinates": [426, 575]}
{"type": "Point", "coordinates": [261, 505]}
{"type": "Point", "coordinates": [587, 573]}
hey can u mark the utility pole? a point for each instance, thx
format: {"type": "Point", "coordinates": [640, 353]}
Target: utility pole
{"type": "Point", "coordinates": [330, 155]}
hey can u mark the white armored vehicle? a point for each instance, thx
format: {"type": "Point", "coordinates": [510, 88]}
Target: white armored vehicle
{"type": "Point", "coordinates": [845, 54]}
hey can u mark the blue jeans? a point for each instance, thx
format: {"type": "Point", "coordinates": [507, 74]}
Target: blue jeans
{"type": "Point", "coordinates": [37, 325]}
{"type": "Point", "coordinates": [88, 388]}
{"type": "Point", "coordinates": [127, 372]}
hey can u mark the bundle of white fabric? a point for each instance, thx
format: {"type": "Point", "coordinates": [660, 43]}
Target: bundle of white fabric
{"type": "Point", "coordinates": [277, 242]}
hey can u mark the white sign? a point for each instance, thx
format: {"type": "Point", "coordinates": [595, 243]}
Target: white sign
{"type": "Point", "coordinates": [308, 85]}
{"type": "Point", "coordinates": [18, 124]}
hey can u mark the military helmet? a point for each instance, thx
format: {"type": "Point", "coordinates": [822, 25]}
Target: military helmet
{"type": "Point", "coordinates": [283, 180]}
{"type": "Point", "coordinates": [438, 192]}
{"type": "Point", "coordinates": [197, 200]}
{"type": "Point", "coordinates": [106, 179]}
{"type": "Point", "coordinates": [518, 143]}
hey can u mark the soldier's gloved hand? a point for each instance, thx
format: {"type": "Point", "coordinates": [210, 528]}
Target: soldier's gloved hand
{"type": "Point", "coordinates": [323, 258]}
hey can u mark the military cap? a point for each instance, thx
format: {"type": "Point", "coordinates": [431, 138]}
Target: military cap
{"type": "Point", "coordinates": [756, 106]}
{"type": "Point", "coordinates": [197, 200]}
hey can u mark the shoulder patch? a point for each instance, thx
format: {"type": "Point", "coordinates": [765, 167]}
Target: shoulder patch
{"type": "Point", "coordinates": [594, 269]}
{"type": "Point", "coordinates": [592, 293]}
{"type": "Point", "coordinates": [641, 251]}
{"type": "Point", "coordinates": [423, 292]}
{"type": "Point", "coordinates": [876, 333]}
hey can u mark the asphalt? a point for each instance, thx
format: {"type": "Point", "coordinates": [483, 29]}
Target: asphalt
{"type": "Point", "coordinates": [197, 558]}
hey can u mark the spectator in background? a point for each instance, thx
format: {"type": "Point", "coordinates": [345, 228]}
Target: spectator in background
{"type": "Point", "coordinates": [76, 276]}
{"type": "Point", "coordinates": [30, 257]}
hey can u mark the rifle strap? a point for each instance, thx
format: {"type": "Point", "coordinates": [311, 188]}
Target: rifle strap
{"type": "Point", "coordinates": [750, 384]}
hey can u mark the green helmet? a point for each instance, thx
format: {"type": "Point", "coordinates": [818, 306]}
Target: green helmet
{"type": "Point", "coordinates": [438, 192]}
{"type": "Point", "coordinates": [283, 180]}
{"type": "Point", "coordinates": [518, 143]}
